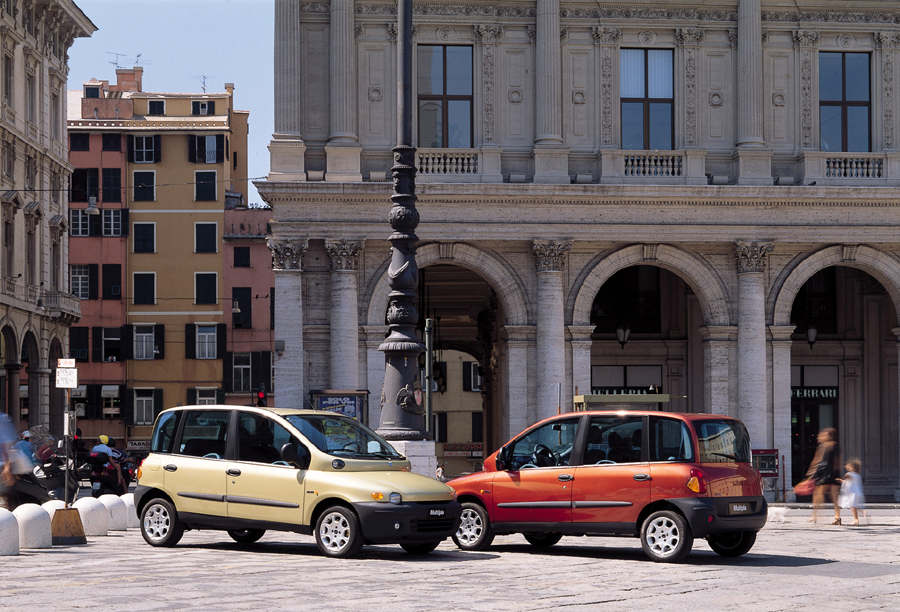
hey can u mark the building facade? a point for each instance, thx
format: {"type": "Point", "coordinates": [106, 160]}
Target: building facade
{"type": "Point", "coordinates": [37, 307]}
{"type": "Point", "coordinates": [697, 198]}
{"type": "Point", "coordinates": [153, 173]}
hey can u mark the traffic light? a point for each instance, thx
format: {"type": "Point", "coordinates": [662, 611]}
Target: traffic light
{"type": "Point", "coordinates": [261, 395]}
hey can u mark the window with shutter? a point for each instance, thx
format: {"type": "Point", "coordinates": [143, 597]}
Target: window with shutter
{"type": "Point", "coordinates": [159, 341]}
{"type": "Point", "coordinates": [240, 301]}
{"type": "Point", "coordinates": [79, 141]}
{"type": "Point", "coordinates": [112, 142]}
{"type": "Point", "coordinates": [156, 107]}
{"type": "Point", "coordinates": [112, 184]}
{"type": "Point", "coordinates": [241, 257]}
{"type": "Point", "coordinates": [93, 274]}
{"type": "Point", "coordinates": [144, 186]}
{"type": "Point", "coordinates": [144, 150]}
{"type": "Point", "coordinates": [144, 340]}
{"type": "Point", "coordinates": [205, 186]}
{"type": "Point", "coordinates": [112, 281]}
{"type": "Point", "coordinates": [144, 288]}
{"type": "Point", "coordinates": [205, 288]}
{"type": "Point", "coordinates": [144, 237]}
{"type": "Point", "coordinates": [79, 280]}
{"type": "Point", "coordinates": [205, 238]}
{"type": "Point", "coordinates": [78, 343]}
{"type": "Point", "coordinates": [190, 341]}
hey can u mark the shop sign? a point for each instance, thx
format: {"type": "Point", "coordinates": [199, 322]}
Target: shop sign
{"type": "Point", "coordinates": [814, 393]}
{"type": "Point", "coordinates": [138, 445]}
{"type": "Point", "coordinates": [463, 449]}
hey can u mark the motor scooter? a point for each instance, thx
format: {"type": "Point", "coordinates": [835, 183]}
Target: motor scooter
{"type": "Point", "coordinates": [104, 476]}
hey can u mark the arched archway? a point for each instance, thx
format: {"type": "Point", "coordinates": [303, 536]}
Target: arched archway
{"type": "Point", "coordinates": [31, 363]}
{"type": "Point", "coordinates": [57, 396]}
{"type": "Point", "coordinates": [9, 353]}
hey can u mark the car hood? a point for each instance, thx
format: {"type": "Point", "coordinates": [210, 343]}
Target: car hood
{"type": "Point", "coordinates": [360, 485]}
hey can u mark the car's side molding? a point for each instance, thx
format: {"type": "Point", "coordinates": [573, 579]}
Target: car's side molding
{"type": "Point", "coordinates": [203, 496]}
{"type": "Point", "coordinates": [601, 504]}
{"type": "Point", "coordinates": [536, 504]}
{"type": "Point", "coordinates": [239, 499]}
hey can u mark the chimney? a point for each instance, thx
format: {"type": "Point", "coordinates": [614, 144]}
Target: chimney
{"type": "Point", "coordinates": [129, 79]}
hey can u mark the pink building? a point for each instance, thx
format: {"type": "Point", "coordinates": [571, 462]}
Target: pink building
{"type": "Point", "coordinates": [250, 282]}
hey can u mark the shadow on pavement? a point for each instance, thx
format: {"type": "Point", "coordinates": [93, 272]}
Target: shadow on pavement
{"type": "Point", "coordinates": [383, 553]}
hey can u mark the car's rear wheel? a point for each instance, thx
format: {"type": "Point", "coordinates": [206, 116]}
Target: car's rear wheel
{"type": "Point", "coordinates": [419, 548]}
{"type": "Point", "coordinates": [474, 531]}
{"type": "Point", "coordinates": [246, 536]}
{"type": "Point", "coordinates": [542, 540]}
{"type": "Point", "coordinates": [159, 523]}
{"type": "Point", "coordinates": [666, 537]}
{"type": "Point", "coordinates": [733, 544]}
{"type": "Point", "coordinates": [338, 533]}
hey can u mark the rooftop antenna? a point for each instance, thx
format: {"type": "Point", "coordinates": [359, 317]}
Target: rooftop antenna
{"type": "Point", "coordinates": [203, 82]}
{"type": "Point", "coordinates": [137, 59]}
{"type": "Point", "coordinates": [115, 58]}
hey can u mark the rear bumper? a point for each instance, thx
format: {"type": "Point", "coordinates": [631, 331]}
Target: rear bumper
{"type": "Point", "coordinates": [385, 523]}
{"type": "Point", "coordinates": [712, 515]}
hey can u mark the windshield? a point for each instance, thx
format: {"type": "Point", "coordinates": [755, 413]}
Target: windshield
{"type": "Point", "coordinates": [342, 436]}
{"type": "Point", "coordinates": [723, 441]}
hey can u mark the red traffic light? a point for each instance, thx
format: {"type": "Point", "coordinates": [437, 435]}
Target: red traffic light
{"type": "Point", "coordinates": [261, 394]}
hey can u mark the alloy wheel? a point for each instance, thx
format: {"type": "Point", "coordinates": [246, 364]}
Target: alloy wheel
{"type": "Point", "coordinates": [157, 522]}
{"type": "Point", "coordinates": [471, 527]}
{"type": "Point", "coordinates": [334, 531]}
{"type": "Point", "coordinates": [663, 536]}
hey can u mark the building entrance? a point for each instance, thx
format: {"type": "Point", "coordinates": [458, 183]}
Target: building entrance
{"type": "Point", "coordinates": [812, 410]}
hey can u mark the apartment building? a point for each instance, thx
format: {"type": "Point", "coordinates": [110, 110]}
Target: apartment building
{"type": "Point", "coordinates": [151, 180]}
{"type": "Point", "coordinates": [37, 306]}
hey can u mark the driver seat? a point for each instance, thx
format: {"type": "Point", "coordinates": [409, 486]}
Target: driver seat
{"type": "Point", "coordinates": [594, 451]}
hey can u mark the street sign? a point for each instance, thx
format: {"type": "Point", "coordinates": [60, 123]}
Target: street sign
{"type": "Point", "coordinates": [66, 378]}
{"type": "Point", "coordinates": [65, 363]}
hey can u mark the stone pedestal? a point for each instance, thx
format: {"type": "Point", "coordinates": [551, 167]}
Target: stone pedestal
{"type": "Point", "coordinates": [342, 164]}
{"type": "Point", "coordinates": [753, 166]}
{"type": "Point", "coordinates": [551, 165]}
{"type": "Point", "coordinates": [421, 455]}
{"type": "Point", "coordinates": [287, 159]}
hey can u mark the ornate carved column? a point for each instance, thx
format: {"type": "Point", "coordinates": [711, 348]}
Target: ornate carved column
{"type": "Point", "coordinates": [886, 43]}
{"type": "Point", "coordinates": [718, 342]}
{"type": "Point", "coordinates": [290, 359]}
{"type": "Point", "coordinates": [342, 150]}
{"type": "Point", "coordinates": [752, 393]}
{"type": "Point", "coordinates": [490, 153]}
{"type": "Point", "coordinates": [549, 259]}
{"type": "Point", "coordinates": [344, 334]}
{"type": "Point", "coordinates": [807, 42]}
{"type": "Point", "coordinates": [688, 40]}
{"type": "Point", "coordinates": [287, 149]}
{"type": "Point", "coordinates": [607, 42]}
{"type": "Point", "coordinates": [551, 160]}
{"type": "Point", "coordinates": [781, 399]}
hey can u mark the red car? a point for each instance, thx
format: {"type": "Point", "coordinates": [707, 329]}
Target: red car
{"type": "Point", "coordinates": [664, 477]}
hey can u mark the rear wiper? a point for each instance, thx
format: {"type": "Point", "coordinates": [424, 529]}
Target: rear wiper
{"type": "Point", "coordinates": [727, 456]}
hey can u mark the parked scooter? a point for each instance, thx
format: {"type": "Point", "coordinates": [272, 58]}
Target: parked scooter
{"type": "Point", "coordinates": [104, 476]}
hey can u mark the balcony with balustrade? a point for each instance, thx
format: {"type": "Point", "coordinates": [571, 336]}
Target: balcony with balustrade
{"type": "Point", "coordinates": [851, 169]}
{"type": "Point", "coordinates": [458, 166]}
{"type": "Point", "coordinates": [665, 167]}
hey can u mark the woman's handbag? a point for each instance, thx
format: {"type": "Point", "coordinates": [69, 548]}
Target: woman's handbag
{"type": "Point", "coordinates": [805, 487]}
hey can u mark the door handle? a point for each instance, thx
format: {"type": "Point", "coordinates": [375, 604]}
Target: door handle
{"type": "Point", "coordinates": [233, 472]}
{"type": "Point", "coordinates": [170, 467]}
{"type": "Point", "coordinates": [641, 476]}
{"type": "Point", "coordinates": [565, 477]}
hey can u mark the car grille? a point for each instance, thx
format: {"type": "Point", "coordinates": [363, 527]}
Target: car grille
{"type": "Point", "coordinates": [432, 526]}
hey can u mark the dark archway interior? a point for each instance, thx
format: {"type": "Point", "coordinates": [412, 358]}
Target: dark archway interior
{"type": "Point", "coordinates": [30, 360]}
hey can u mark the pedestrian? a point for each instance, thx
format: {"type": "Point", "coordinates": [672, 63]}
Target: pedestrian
{"type": "Point", "coordinates": [825, 472]}
{"type": "Point", "coordinates": [7, 479]}
{"type": "Point", "coordinates": [24, 445]}
{"type": "Point", "coordinates": [851, 495]}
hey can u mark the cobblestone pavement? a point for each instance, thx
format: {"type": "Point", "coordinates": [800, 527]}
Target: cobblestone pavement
{"type": "Point", "coordinates": [794, 565]}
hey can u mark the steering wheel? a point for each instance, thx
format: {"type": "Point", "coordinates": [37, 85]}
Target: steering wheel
{"type": "Point", "coordinates": [543, 456]}
{"type": "Point", "coordinates": [604, 461]}
{"type": "Point", "coordinates": [353, 447]}
{"type": "Point", "coordinates": [281, 462]}
{"type": "Point", "coordinates": [212, 456]}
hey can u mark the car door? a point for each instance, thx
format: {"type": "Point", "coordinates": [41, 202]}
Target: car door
{"type": "Point", "coordinates": [613, 483]}
{"type": "Point", "coordinates": [536, 487]}
{"type": "Point", "coordinates": [259, 485]}
{"type": "Point", "coordinates": [194, 475]}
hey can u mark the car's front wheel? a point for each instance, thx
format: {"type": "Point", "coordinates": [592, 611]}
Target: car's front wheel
{"type": "Point", "coordinates": [542, 540]}
{"type": "Point", "coordinates": [419, 548]}
{"type": "Point", "coordinates": [666, 537]}
{"type": "Point", "coordinates": [733, 544]}
{"type": "Point", "coordinates": [246, 536]}
{"type": "Point", "coordinates": [338, 533]}
{"type": "Point", "coordinates": [159, 523]}
{"type": "Point", "coordinates": [474, 531]}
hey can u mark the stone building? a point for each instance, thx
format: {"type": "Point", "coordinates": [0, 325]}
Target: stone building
{"type": "Point", "coordinates": [37, 307]}
{"type": "Point", "coordinates": [695, 196]}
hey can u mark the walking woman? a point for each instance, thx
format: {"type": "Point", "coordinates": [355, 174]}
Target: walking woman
{"type": "Point", "coordinates": [825, 472]}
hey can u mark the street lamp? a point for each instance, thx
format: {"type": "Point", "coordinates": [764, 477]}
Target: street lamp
{"type": "Point", "coordinates": [623, 332]}
{"type": "Point", "coordinates": [811, 334]}
{"type": "Point", "coordinates": [401, 415]}
{"type": "Point", "coordinates": [92, 207]}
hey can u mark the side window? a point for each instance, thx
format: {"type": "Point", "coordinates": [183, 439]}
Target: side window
{"type": "Point", "coordinates": [204, 433]}
{"type": "Point", "coordinates": [614, 439]}
{"type": "Point", "coordinates": [164, 435]}
{"type": "Point", "coordinates": [670, 440]}
{"type": "Point", "coordinates": [260, 439]}
{"type": "Point", "coordinates": [547, 446]}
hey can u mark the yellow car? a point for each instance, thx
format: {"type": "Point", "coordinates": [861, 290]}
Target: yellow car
{"type": "Point", "coordinates": [245, 470]}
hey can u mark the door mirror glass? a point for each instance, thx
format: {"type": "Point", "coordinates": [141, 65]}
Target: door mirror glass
{"type": "Point", "coordinates": [296, 454]}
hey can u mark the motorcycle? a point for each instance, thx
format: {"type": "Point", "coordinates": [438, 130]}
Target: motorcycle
{"type": "Point", "coordinates": [104, 476]}
{"type": "Point", "coordinates": [46, 481]}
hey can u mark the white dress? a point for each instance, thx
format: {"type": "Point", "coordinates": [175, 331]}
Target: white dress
{"type": "Point", "coordinates": [851, 495]}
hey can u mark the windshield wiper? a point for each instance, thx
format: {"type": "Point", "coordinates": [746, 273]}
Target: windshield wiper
{"type": "Point", "coordinates": [726, 455]}
{"type": "Point", "coordinates": [382, 455]}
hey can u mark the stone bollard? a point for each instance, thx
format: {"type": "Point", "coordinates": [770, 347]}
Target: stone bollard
{"type": "Point", "coordinates": [94, 516]}
{"type": "Point", "coordinates": [9, 533]}
{"type": "Point", "coordinates": [118, 513]}
{"type": "Point", "coordinates": [133, 519]}
{"type": "Point", "coordinates": [52, 506]}
{"type": "Point", "coordinates": [34, 526]}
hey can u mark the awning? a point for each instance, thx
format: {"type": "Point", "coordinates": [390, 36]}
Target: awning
{"type": "Point", "coordinates": [109, 391]}
{"type": "Point", "coordinates": [79, 391]}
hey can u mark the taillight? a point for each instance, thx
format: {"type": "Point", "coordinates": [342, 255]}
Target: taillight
{"type": "Point", "coordinates": [697, 483]}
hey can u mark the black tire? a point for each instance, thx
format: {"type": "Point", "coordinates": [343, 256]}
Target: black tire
{"type": "Point", "coordinates": [246, 536]}
{"type": "Point", "coordinates": [419, 548]}
{"type": "Point", "coordinates": [338, 533]}
{"type": "Point", "coordinates": [542, 540]}
{"type": "Point", "coordinates": [474, 531]}
{"type": "Point", "coordinates": [666, 537]}
{"type": "Point", "coordinates": [159, 523]}
{"type": "Point", "coordinates": [732, 544]}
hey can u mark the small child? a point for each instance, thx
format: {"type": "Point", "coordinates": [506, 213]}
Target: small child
{"type": "Point", "coordinates": [851, 495]}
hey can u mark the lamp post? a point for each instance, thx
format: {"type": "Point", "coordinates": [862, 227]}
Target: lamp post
{"type": "Point", "coordinates": [401, 415]}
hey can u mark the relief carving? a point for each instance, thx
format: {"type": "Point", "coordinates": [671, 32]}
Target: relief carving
{"type": "Point", "coordinates": [287, 254]}
{"type": "Point", "coordinates": [490, 35]}
{"type": "Point", "coordinates": [550, 255]}
{"type": "Point", "coordinates": [751, 256]}
{"type": "Point", "coordinates": [806, 40]}
{"type": "Point", "coordinates": [344, 254]}
{"type": "Point", "coordinates": [689, 39]}
{"type": "Point", "coordinates": [887, 42]}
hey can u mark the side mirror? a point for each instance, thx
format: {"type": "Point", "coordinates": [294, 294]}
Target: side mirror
{"type": "Point", "coordinates": [501, 461]}
{"type": "Point", "coordinates": [296, 454]}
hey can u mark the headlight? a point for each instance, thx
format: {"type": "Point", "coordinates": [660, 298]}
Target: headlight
{"type": "Point", "coordinates": [396, 498]}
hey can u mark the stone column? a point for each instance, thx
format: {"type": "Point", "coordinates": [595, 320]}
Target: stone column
{"type": "Point", "coordinates": [12, 392]}
{"type": "Point", "coordinates": [551, 159]}
{"type": "Point", "coordinates": [373, 336]}
{"type": "Point", "coordinates": [752, 392]}
{"type": "Point", "coordinates": [781, 404]}
{"type": "Point", "coordinates": [344, 334]}
{"type": "Point", "coordinates": [581, 359]}
{"type": "Point", "coordinates": [342, 150]}
{"type": "Point", "coordinates": [287, 149]}
{"type": "Point", "coordinates": [718, 341]}
{"type": "Point", "coordinates": [550, 258]}
{"type": "Point", "coordinates": [290, 359]}
{"type": "Point", "coordinates": [754, 163]}
{"type": "Point", "coordinates": [40, 414]}
{"type": "Point", "coordinates": [896, 332]}
{"type": "Point", "coordinates": [518, 338]}
{"type": "Point", "coordinates": [490, 152]}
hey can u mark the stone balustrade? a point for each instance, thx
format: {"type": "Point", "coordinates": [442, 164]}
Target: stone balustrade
{"type": "Point", "coordinates": [675, 167]}
{"type": "Point", "coordinates": [443, 165]}
{"type": "Point", "coordinates": [838, 168]}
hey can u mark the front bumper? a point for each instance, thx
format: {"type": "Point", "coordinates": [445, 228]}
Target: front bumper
{"type": "Point", "coordinates": [386, 523]}
{"type": "Point", "coordinates": [712, 515]}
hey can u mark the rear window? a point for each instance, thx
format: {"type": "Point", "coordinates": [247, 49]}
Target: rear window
{"type": "Point", "coordinates": [670, 440]}
{"type": "Point", "coordinates": [164, 434]}
{"type": "Point", "coordinates": [722, 441]}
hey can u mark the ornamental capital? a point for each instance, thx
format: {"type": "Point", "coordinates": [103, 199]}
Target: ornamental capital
{"type": "Point", "coordinates": [287, 254]}
{"type": "Point", "coordinates": [751, 256]}
{"type": "Point", "coordinates": [688, 36]}
{"type": "Point", "coordinates": [489, 33]}
{"type": "Point", "coordinates": [344, 254]}
{"type": "Point", "coordinates": [606, 36]}
{"type": "Point", "coordinates": [806, 38]}
{"type": "Point", "coordinates": [550, 255]}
